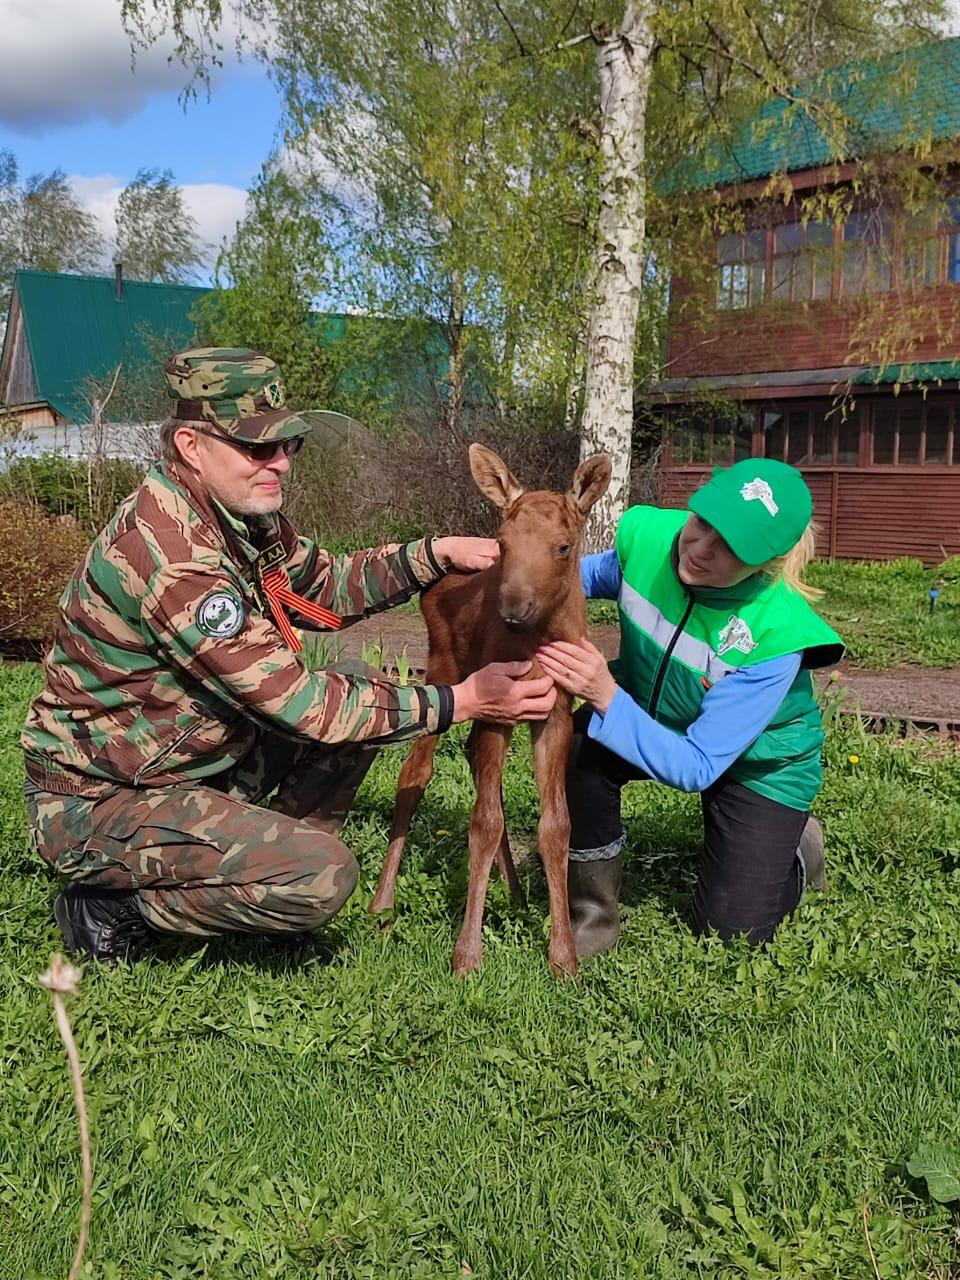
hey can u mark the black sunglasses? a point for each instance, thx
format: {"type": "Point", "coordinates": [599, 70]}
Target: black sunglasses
{"type": "Point", "coordinates": [258, 451]}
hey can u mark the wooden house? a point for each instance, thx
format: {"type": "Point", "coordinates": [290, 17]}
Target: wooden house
{"type": "Point", "coordinates": [831, 341]}
{"type": "Point", "coordinates": [67, 335]}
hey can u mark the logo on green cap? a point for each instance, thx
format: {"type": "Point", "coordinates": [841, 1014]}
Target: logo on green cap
{"type": "Point", "coordinates": [759, 489]}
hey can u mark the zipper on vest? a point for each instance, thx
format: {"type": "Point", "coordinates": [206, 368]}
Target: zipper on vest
{"type": "Point", "coordinates": [664, 661]}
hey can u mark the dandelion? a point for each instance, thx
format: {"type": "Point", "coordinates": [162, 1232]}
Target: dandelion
{"type": "Point", "coordinates": [443, 832]}
{"type": "Point", "coordinates": [854, 759]}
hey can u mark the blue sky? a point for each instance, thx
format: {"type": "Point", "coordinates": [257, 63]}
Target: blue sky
{"type": "Point", "coordinates": [194, 140]}
{"type": "Point", "coordinates": [70, 100]}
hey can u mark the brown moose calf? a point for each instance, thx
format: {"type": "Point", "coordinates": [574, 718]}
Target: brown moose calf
{"type": "Point", "coordinates": [530, 596]}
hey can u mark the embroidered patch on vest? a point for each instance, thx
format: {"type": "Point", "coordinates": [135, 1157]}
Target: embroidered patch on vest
{"type": "Point", "coordinates": [736, 635]}
{"type": "Point", "coordinates": [219, 615]}
{"type": "Point", "coordinates": [759, 489]}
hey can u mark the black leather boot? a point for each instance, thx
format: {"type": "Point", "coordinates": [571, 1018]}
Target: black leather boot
{"type": "Point", "coordinates": [592, 888]}
{"type": "Point", "coordinates": [104, 924]}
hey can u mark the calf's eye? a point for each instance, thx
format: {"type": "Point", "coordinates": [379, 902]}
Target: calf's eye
{"type": "Point", "coordinates": [563, 549]}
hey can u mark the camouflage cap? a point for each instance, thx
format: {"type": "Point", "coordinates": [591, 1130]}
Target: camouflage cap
{"type": "Point", "coordinates": [237, 390]}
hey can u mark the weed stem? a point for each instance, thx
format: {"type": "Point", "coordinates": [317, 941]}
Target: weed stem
{"type": "Point", "coordinates": [61, 979]}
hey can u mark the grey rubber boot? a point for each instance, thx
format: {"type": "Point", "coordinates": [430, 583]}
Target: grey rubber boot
{"type": "Point", "coordinates": [593, 889]}
{"type": "Point", "coordinates": [810, 853]}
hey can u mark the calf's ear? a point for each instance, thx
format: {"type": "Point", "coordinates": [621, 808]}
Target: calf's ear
{"type": "Point", "coordinates": [493, 477]}
{"type": "Point", "coordinates": [590, 481]}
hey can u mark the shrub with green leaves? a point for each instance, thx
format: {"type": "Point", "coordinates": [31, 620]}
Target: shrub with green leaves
{"type": "Point", "coordinates": [87, 490]}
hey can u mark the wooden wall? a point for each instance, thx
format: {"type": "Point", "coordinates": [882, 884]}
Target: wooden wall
{"type": "Point", "coordinates": [18, 385]}
{"type": "Point", "coordinates": [865, 514]}
{"type": "Point", "coordinates": [816, 335]}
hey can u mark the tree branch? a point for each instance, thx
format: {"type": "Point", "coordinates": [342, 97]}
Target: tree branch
{"type": "Point", "coordinates": [521, 47]}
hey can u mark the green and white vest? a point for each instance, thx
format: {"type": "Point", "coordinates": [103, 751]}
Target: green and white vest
{"type": "Point", "coordinates": [678, 641]}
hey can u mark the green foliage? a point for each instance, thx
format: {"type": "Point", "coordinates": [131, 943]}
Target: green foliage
{"type": "Point", "coordinates": [43, 226]}
{"type": "Point", "coordinates": [156, 236]}
{"type": "Point", "coordinates": [271, 273]}
{"type": "Point", "coordinates": [87, 491]}
{"type": "Point", "coordinates": [882, 610]}
{"type": "Point", "coordinates": [38, 555]}
{"type": "Point", "coordinates": [449, 156]}
{"type": "Point", "coordinates": [939, 1165]}
{"type": "Point", "coordinates": [319, 651]}
{"type": "Point", "coordinates": [682, 1109]}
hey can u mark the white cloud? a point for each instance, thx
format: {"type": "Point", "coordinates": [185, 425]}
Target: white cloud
{"type": "Point", "coordinates": [216, 207]}
{"type": "Point", "coordinates": [66, 61]}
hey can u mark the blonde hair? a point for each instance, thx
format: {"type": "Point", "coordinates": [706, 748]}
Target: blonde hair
{"type": "Point", "coordinates": [790, 567]}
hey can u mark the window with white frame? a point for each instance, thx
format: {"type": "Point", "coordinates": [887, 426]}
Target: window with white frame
{"type": "Point", "coordinates": [741, 270]}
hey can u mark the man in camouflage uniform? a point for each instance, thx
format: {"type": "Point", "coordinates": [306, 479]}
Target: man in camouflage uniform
{"type": "Point", "coordinates": [174, 701]}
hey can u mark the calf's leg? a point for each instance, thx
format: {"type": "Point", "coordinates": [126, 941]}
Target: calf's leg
{"type": "Point", "coordinates": [551, 746]}
{"type": "Point", "coordinates": [506, 866]}
{"type": "Point", "coordinates": [505, 863]}
{"type": "Point", "coordinates": [488, 751]}
{"type": "Point", "coordinates": [414, 776]}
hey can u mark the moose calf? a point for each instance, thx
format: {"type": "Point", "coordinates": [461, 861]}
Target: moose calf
{"type": "Point", "coordinates": [530, 596]}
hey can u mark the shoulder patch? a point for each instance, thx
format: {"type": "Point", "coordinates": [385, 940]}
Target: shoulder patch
{"type": "Point", "coordinates": [219, 615]}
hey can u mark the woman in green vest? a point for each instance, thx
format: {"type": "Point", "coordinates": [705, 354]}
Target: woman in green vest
{"type": "Point", "coordinates": [711, 693]}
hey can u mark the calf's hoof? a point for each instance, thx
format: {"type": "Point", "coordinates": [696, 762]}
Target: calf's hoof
{"type": "Point", "coordinates": [383, 917]}
{"type": "Point", "coordinates": [381, 904]}
{"type": "Point", "coordinates": [563, 962]}
{"type": "Point", "coordinates": [466, 959]}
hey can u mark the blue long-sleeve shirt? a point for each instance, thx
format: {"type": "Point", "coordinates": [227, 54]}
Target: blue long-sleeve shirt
{"type": "Point", "coordinates": [733, 714]}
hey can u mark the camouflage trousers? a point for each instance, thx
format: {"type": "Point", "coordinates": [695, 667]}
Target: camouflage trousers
{"type": "Point", "coordinates": [207, 859]}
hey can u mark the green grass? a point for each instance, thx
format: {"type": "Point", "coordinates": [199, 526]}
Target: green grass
{"type": "Point", "coordinates": [881, 610]}
{"type": "Point", "coordinates": [683, 1109]}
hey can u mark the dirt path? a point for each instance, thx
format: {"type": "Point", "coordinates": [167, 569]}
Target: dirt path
{"type": "Point", "coordinates": [911, 692]}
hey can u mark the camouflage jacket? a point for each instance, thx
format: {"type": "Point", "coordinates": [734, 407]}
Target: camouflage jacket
{"type": "Point", "coordinates": [165, 658]}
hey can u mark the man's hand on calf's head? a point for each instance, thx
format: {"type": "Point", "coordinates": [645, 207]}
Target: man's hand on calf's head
{"type": "Point", "coordinates": [499, 693]}
{"type": "Point", "coordinates": [466, 553]}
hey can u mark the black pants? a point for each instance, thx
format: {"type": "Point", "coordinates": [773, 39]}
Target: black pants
{"type": "Point", "coordinates": [750, 876]}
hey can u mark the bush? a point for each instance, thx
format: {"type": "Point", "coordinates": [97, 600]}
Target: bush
{"type": "Point", "coordinates": [89, 491]}
{"type": "Point", "coordinates": [379, 488]}
{"type": "Point", "coordinates": [38, 554]}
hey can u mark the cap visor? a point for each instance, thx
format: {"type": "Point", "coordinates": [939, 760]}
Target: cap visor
{"type": "Point", "coordinates": [745, 543]}
{"type": "Point", "coordinates": [281, 424]}
{"type": "Point", "coordinates": [333, 430]}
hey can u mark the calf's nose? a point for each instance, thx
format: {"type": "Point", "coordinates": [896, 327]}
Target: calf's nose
{"type": "Point", "coordinates": [516, 614]}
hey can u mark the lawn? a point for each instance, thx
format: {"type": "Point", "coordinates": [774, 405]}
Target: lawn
{"type": "Point", "coordinates": [682, 1109]}
{"type": "Point", "coordinates": [882, 610]}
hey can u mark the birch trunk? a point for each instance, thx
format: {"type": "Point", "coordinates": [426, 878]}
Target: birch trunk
{"type": "Point", "coordinates": [456, 359]}
{"type": "Point", "coordinates": [625, 63]}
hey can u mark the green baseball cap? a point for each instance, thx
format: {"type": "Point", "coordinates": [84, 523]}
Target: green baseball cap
{"type": "Point", "coordinates": [760, 507]}
{"type": "Point", "coordinates": [238, 390]}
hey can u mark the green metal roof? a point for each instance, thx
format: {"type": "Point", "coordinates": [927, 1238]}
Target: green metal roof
{"type": "Point", "coordinates": [76, 329]}
{"type": "Point", "coordinates": [932, 371]}
{"type": "Point", "coordinates": [885, 103]}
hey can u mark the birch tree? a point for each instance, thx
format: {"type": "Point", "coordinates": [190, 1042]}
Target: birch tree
{"type": "Point", "coordinates": [156, 235]}
{"type": "Point", "coordinates": [624, 58]}
{"type": "Point", "coordinates": [43, 227]}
